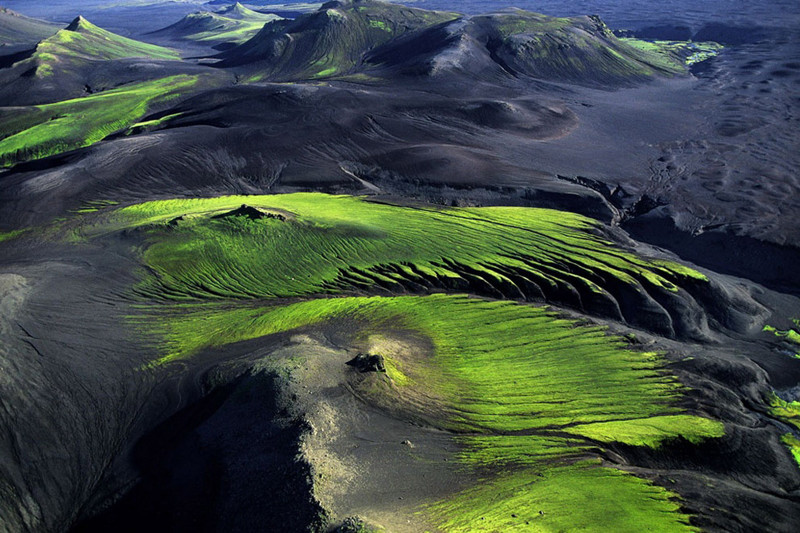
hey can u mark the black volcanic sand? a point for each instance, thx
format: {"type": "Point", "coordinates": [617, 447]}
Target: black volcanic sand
{"type": "Point", "coordinates": [271, 434]}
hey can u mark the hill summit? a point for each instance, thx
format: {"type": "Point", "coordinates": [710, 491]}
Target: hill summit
{"type": "Point", "coordinates": [366, 36]}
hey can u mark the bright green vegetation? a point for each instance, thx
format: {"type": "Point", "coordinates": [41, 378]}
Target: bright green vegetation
{"type": "Point", "coordinates": [794, 446]}
{"type": "Point", "coordinates": [789, 412]}
{"type": "Point", "coordinates": [531, 395]}
{"type": "Point", "coordinates": [13, 234]}
{"type": "Point", "coordinates": [688, 52]}
{"type": "Point", "coordinates": [44, 130]}
{"type": "Point", "coordinates": [520, 384]}
{"type": "Point", "coordinates": [222, 27]}
{"type": "Point", "coordinates": [97, 205]}
{"type": "Point", "coordinates": [334, 244]}
{"type": "Point", "coordinates": [154, 123]}
{"type": "Point", "coordinates": [83, 40]}
{"type": "Point", "coordinates": [651, 431]}
{"type": "Point", "coordinates": [790, 335]}
{"type": "Point", "coordinates": [578, 497]}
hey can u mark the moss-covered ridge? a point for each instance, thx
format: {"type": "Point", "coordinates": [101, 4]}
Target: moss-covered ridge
{"type": "Point", "coordinates": [531, 396]}
{"type": "Point", "coordinates": [326, 244]}
{"type": "Point", "coordinates": [331, 41]}
{"type": "Point", "coordinates": [234, 24]}
{"type": "Point", "coordinates": [34, 132]}
{"type": "Point", "coordinates": [83, 41]}
{"type": "Point", "coordinates": [581, 50]}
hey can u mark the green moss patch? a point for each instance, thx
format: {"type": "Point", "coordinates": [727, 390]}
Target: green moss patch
{"type": "Point", "coordinates": [50, 129]}
{"type": "Point", "coordinates": [530, 395]}
{"type": "Point", "coordinates": [336, 244]}
{"type": "Point", "coordinates": [793, 443]}
{"type": "Point", "coordinates": [527, 392]}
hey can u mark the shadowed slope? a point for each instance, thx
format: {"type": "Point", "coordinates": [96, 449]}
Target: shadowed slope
{"type": "Point", "coordinates": [16, 29]}
{"type": "Point", "coordinates": [342, 36]}
{"type": "Point", "coordinates": [330, 41]}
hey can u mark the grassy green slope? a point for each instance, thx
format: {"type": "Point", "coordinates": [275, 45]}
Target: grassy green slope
{"type": "Point", "coordinates": [82, 40]}
{"type": "Point", "coordinates": [525, 390]}
{"type": "Point", "coordinates": [40, 131]}
{"type": "Point", "coordinates": [531, 396]}
{"type": "Point", "coordinates": [685, 52]}
{"type": "Point", "coordinates": [580, 49]}
{"type": "Point", "coordinates": [330, 245]}
{"type": "Point", "coordinates": [235, 24]}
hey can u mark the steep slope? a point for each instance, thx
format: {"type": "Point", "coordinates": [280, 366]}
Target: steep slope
{"type": "Point", "coordinates": [330, 41]}
{"type": "Point", "coordinates": [238, 11]}
{"type": "Point", "coordinates": [580, 50]}
{"type": "Point", "coordinates": [82, 40]}
{"type": "Point", "coordinates": [82, 58]}
{"type": "Point", "coordinates": [16, 29]}
{"type": "Point", "coordinates": [232, 25]}
{"type": "Point", "coordinates": [383, 40]}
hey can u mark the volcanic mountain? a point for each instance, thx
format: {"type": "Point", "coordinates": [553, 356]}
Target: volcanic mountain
{"type": "Point", "coordinates": [78, 59]}
{"type": "Point", "coordinates": [226, 27]}
{"type": "Point", "coordinates": [330, 41]}
{"type": "Point", "coordinates": [380, 39]}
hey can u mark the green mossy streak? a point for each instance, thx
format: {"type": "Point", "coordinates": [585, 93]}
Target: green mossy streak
{"type": "Point", "coordinates": [793, 443]}
{"type": "Point", "coordinates": [45, 130]}
{"type": "Point", "coordinates": [528, 391]}
{"type": "Point", "coordinates": [530, 396]}
{"type": "Point", "coordinates": [334, 244]}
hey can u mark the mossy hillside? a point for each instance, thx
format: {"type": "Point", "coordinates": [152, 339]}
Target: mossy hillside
{"type": "Point", "coordinates": [576, 497]}
{"type": "Point", "coordinates": [331, 41]}
{"type": "Point", "coordinates": [676, 52]}
{"type": "Point", "coordinates": [40, 131]}
{"type": "Point", "coordinates": [83, 41]}
{"type": "Point", "coordinates": [337, 244]}
{"type": "Point", "coordinates": [529, 394]}
{"type": "Point", "coordinates": [226, 26]}
{"type": "Point", "coordinates": [527, 391]}
{"type": "Point", "coordinates": [579, 49]}
{"type": "Point", "coordinates": [791, 336]}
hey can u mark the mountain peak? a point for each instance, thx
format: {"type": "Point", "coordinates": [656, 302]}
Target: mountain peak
{"type": "Point", "coordinates": [79, 23]}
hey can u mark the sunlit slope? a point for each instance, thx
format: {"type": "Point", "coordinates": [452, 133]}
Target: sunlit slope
{"type": "Point", "coordinates": [320, 244]}
{"type": "Point", "coordinates": [234, 24]}
{"type": "Point", "coordinates": [82, 40]}
{"type": "Point", "coordinates": [34, 132]}
{"type": "Point", "coordinates": [529, 395]}
{"type": "Point", "coordinates": [532, 397]}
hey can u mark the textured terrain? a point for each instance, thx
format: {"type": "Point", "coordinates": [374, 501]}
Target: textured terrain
{"type": "Point", "coordinates": [362, 266]}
